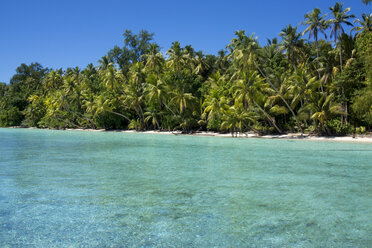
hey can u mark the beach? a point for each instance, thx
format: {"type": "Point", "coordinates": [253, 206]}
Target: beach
{"type": "Point", "coordinates": [366, 138]}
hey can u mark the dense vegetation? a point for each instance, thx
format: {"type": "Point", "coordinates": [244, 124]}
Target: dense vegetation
{"type": "Point", "coordinates": [314, 85]}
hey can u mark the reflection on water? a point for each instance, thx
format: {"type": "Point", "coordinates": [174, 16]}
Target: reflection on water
{"type": "Point", "coordinates": [82, 189]}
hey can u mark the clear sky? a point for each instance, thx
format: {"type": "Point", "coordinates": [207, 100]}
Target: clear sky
{"type": "Point", "coordinates": [69, 33]}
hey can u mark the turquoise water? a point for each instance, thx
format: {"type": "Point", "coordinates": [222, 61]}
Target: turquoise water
{"type": "Point", "coordinates": [88, 189]}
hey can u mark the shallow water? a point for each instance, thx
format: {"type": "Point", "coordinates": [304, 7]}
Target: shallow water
{"type": "Point", "coordinates": [88, 189]}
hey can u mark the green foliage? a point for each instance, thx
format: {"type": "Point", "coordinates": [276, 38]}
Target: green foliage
{"type": "Point", "coordinates": [291, 85]}
{"type": "Point", "coordinates": [10, 117]}
{"type": "Point", "coordinates": [364, 51]}
{"type": "Point", "coordinates": [362, 106]}
{"type": "Point", "coordinates": [336, 127]}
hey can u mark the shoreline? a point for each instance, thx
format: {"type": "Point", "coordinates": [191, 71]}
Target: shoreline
{"type": "Point", "coordinates": [288, 136]}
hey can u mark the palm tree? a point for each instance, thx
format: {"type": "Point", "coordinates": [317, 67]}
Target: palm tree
{"type": "Point", "coordinates": [152, 117]}
{"type": "Point", "coordinates": [134, 97]}
{"type": "Point", "coordinates": [364, 24]}
{"type": "Point", "coordinates": [214, 107]}
{"type": "Point", "coordinates": [327, 61]}
{"type": "Point", "coordinates": [52, 80]}
{"type": "Point", "coordinates": [246, 91]}
{"type": "Point", "coordinates": [200, 63]}
{"type": "Point", "coordinates": [245, 50]}
{"type": "Point", "coordinates": [111, 77]}
{"type": "Point", "coordinates": [291, 43]}
{"type": "Point", "coordinates": [154, 59]}
{"type": "Point", "coordinates": [156, 92]}
{"type": "Point", "coordinates": [222, 62]}
{"type": "Point", "coordinates": [300, 85]}
{"type": "Point", "coordinates": [183, 101]}
{"type": "Point", "coordinates": [104, 62]}
{"type": "Point", "coordinates": [271, 55]}
{"type": "Point", "coordinates": [185, 104]}
{"type": "Point", "coordinates": [323, 107]}
{"type": "Point", "coordinates": [237, 119]}
{"type": "Point", "coordinates": [177, 58]}
{"type": "Point", "coordinates": [102, 104]}
{"type": "Point", "coordinates": [316, 23]}
{"type": "Point", "coordinates": [366, 1]}
{"type": "Point", "coordinates": [340, 16]}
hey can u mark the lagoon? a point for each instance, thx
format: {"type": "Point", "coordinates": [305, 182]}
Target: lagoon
{"type": "Point", "coordinates": [107, 189]}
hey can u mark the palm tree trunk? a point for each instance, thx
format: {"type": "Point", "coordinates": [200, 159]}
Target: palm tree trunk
{"type": "Point", "coordinates": [116, 113]}
{"type": "Point", "coordinates": [268, 117]}
{"type": "Point", "coordinates": [317, 58]}
{"type": "Point", "coordinates": [340, 55]}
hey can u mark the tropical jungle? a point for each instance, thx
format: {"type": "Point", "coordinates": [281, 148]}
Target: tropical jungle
{"type": "Point", "coordinates": [317, 81]}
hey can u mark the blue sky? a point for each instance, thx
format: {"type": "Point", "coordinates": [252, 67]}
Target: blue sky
{"type": "Point", "coordinates": [78, 32]}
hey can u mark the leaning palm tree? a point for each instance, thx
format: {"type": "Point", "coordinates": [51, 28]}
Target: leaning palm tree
{"type": "Point", "coordinates": [315, 24]}
{"type": "Point", "coordinates": [245, 51]}
{"type": "Point", "coordinates": [366, 1]}
{"type": "Point", "coordinates": [340, 16]}
{"type": "Point", "coordinates": [364, 24]}
{"type": "Point", "coordinates": [246, 91]}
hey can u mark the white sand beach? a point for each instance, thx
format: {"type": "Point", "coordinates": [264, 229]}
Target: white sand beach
{"type": "Point", "coordinates": [297, 136]}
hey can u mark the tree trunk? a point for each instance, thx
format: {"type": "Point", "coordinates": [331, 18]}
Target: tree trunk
{"type": "Point", "coordinates": [268, 117]}
{"type": "Point", "coordinates": [340, 55]}
{"type": "Point", "coordinates": [116, 113]}
{"type": "Point", "coordinates": [317, 57]}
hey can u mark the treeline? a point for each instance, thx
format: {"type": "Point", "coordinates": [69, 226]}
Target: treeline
{"type": "Point", "coordinates": [322, 84]}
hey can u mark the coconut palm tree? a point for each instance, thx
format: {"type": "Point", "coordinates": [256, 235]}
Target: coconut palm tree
{"type": "Point", "coordinates": [177, 58]}
{"type": "Point", "coordinates": [327, 61]}
{"type": "Point", "coordinates": [246, 51]}
{"type": "Point", "coordinates": [154, 59]}
{"type": "Point", "coordinates": [134, 97]}
{"type": "Point", "coordinates": [200, 64]}
{"type": "Point", "coordinates": [315, 24]}
{"type": "Point", "coordinates": [156, 92]}
{"type": "Point", "coordinates": [340, 17]}
{"type": "Point", "coordinates": [111, 77]}
{"type": "Point", "coordinates": [246, 91]}
{"type": "Point", "coordinates": [101, 104]}
{"type": "Point", "coordinates": [301, 84]}
{"type": "Point", "coordinates": [214, 107]}
{"type": "Point", "coordinates": [104, 62]}
{"type": "Point", "coordinates": [52, 80]}
{"type": "Point", "coordinates": [152, 117]}
{"type": "Point", "coordinates": [182, 101]}
{"type": "Point", "coordinates": [236, 119]}
{"type": "Point", "coordinates": [364, 24]}
{"type": "Point", "coordinates": [291, 43]}
{"type": "Point", "coordinates": [323, 107]}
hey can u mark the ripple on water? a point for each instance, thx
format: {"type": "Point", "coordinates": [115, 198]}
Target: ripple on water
{"type": "Point", "coordinates": [81, 189]}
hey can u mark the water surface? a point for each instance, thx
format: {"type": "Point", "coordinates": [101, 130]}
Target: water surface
{"type": "Point", "coordinates": [88, 189]}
